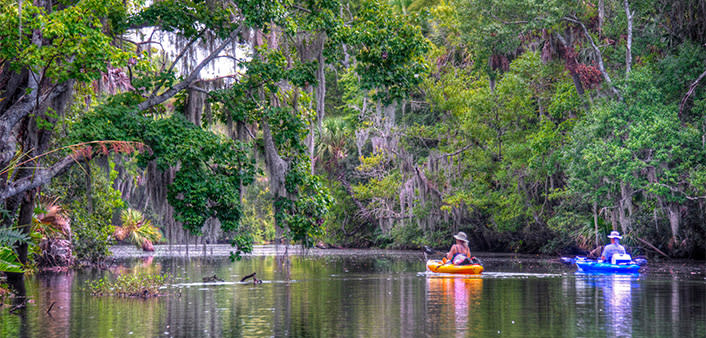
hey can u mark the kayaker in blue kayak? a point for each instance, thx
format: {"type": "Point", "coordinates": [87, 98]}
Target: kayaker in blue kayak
{"type": "Point", "coordinates": [613, 248]}
{"type": "Point", "coordinates": [460, 253]}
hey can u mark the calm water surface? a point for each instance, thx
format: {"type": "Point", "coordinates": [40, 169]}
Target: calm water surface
{"type": "Point", "coordinates": [352, 293]}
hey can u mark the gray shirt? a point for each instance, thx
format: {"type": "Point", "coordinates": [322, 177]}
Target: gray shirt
{"type": "Point", "coordinates": [612, 249]}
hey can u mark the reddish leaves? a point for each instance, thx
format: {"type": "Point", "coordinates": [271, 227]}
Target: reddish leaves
{"type": "Point", "coordinates": [590, 75]}
{"type": "Point", "coordinates": [86, 150]}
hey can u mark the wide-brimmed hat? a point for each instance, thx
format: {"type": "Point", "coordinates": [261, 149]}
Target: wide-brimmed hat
{"type": "Point", "coordinates": [461, 236]}
{"type": "Point", "coordinates": [615, 234]}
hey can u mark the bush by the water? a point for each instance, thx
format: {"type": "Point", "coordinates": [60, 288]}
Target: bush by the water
{"type": "Point", "coordinates": [128, 285]}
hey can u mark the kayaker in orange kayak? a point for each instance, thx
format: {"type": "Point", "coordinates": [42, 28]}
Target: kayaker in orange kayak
{"type": "Point", "coordinates": [460, 253]}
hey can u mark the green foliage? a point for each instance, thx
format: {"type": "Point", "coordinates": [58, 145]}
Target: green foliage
{"type": "Point", "coordinates": [91, 239]}
{"type": "Point", "coordinates": [128, 285]}
{"type": "Point", "coordinates": [9, 261]}
{"type": "Point", "coordinates": [258, 212]}
{"type": "Point", "coordinates": [9, 237]}
{"type": "Point", "coordinates": [78, 48]}
{"type": "Point", "coordinates": [136, 229]}
{"type": "Point", "coordinates": [675, 73]}
{"type": "Point", "coordinates": [304, 216]}
{"type": "Point", "coordinates": [187, 18]}
{"type": "Point", "coordinates": [389, 51]}
{"type": "Point", "coordinates": [620, 139]}
{"type": "Point", "coordinates": [342, 225]}
{"type": "Point", "coordinates": [211, 167]}
{"type": "Point", "coordinates": [92, 228]}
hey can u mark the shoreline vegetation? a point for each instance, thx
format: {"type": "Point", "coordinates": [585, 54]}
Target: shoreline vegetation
{"type": "Point", "coordinates": [139, 285]}
{"type": "Point", "coordinates": [535, 127]}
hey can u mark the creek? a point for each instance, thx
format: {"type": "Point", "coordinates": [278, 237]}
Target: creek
{"type": "Point", "coordinates": [362, 293]}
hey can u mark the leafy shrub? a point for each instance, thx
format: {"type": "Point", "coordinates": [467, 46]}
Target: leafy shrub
{"type": "Point", "coordinates": [128, 285]}
{"type": "Point", "coordinates": [92, 230]}
{"type": "Point", "coordinates": [91, 238]}
{"type": "Point", "coordinates": [408, 236]}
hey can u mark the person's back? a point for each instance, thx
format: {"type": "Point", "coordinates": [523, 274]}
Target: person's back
{"type": "Point", "coordinates": [460, 252]}
{"type": "Point", "coordinates": [613, 248]}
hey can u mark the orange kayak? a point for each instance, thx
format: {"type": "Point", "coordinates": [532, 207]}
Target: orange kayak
{"type": "Point", "coordinates": [435, 265]}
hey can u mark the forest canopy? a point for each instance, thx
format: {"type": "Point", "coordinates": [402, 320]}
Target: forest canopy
{"type": "Point", "coordinates": [533, 126]}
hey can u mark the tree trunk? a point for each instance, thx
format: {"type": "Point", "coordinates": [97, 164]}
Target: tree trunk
{"type": "Point", "coordinates": [628, 52]}
{"type": "Point", "coordinates": [674, 213]}
{"type": "Point", "coordinates": [595, 221]}
{"type": "Point", "coordinates": [601, 16]}
{"type": "Point", "coordinates": [277, 169]}
{"type": "Point", "coordinates": [623, 205]}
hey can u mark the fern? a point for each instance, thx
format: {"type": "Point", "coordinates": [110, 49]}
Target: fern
{"type": "Point", "coordinates": [9, 236]}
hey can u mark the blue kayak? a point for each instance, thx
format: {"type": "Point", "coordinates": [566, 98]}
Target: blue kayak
{"type": "Point", "coordinates": [591, 265]}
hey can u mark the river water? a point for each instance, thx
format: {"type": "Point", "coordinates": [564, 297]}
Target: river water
{"type": "Point", "coordinates": [363, 293]}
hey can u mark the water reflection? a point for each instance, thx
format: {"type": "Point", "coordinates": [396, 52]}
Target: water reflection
{"type": "Point", "coordinates": [615, 293]}
{"type": "Point", "coordinates": [360, 296]}
{"type": "Point", "coordinates": [456, 298]}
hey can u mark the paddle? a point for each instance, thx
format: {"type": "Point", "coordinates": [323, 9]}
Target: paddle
{"type": "Point", "coordinates": [567, 260]}
{"type": "Point", "coordinates": [430, 251]}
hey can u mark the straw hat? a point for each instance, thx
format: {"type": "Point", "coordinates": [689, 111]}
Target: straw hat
{"type": "Point", "coordinates": [461, 236]}
{"type": "Point", "coordinates": [615, 234]}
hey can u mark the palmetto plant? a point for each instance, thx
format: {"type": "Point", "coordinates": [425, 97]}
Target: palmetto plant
{"type": "Point", "coordinates": [137, 230]}
{"type": "Point", "coordinates": [51, 230]}
{"type": "Point", "coordinates": [333, 144]}
{"type": "Point", "coordinates": [51, 221]}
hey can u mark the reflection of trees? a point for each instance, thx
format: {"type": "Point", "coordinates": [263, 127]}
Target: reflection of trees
{"type": "Point", "coordinates": [194, 310]}
{"type": "Point", "coordinates": [334, 296]}
{"type": "Point", "coordinates": [55, 288]}
{"type": "Point", "coordinates": [283, 298]}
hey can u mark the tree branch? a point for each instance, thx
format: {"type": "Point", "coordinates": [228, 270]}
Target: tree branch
{"type": "Point", "coordinates": [169, 93]}
{"type": "Point", "coordinates": [689, 92]}
{"type": "Point", "coordinates": [23, 107]}
{"type": "Point", "coordinates": [454, 153]}
{"type": "Point", "coordinates": [181, 54]}
{"type": "Point", "coordinates": [39, 178]}
{"type": "Point", "coordinates": [652, 246]}
{"type": "Point", "coordinates": [79, 153]}
{"type": "Point", "coordinates": [599, 56]}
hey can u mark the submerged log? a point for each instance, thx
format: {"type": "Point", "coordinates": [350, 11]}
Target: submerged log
{"type": "Point", "coordinates": [254, 279]}
{"type": "Point", "coordinates": [211, 279]}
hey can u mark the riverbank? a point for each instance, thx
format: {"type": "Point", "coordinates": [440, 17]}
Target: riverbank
{"type": "Point", "coordinates": [224, 250]}
{"type": "Point", "coordinates": [492, 260]}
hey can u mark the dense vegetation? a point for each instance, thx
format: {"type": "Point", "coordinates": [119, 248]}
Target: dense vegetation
{"type": "Point", "coordinates": [533, 126]}
{"type": "Point", "coordinates": [540, 127]}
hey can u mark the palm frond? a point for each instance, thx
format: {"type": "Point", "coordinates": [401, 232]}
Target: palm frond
{"type": "Point", "coordinates": [9, 261]}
